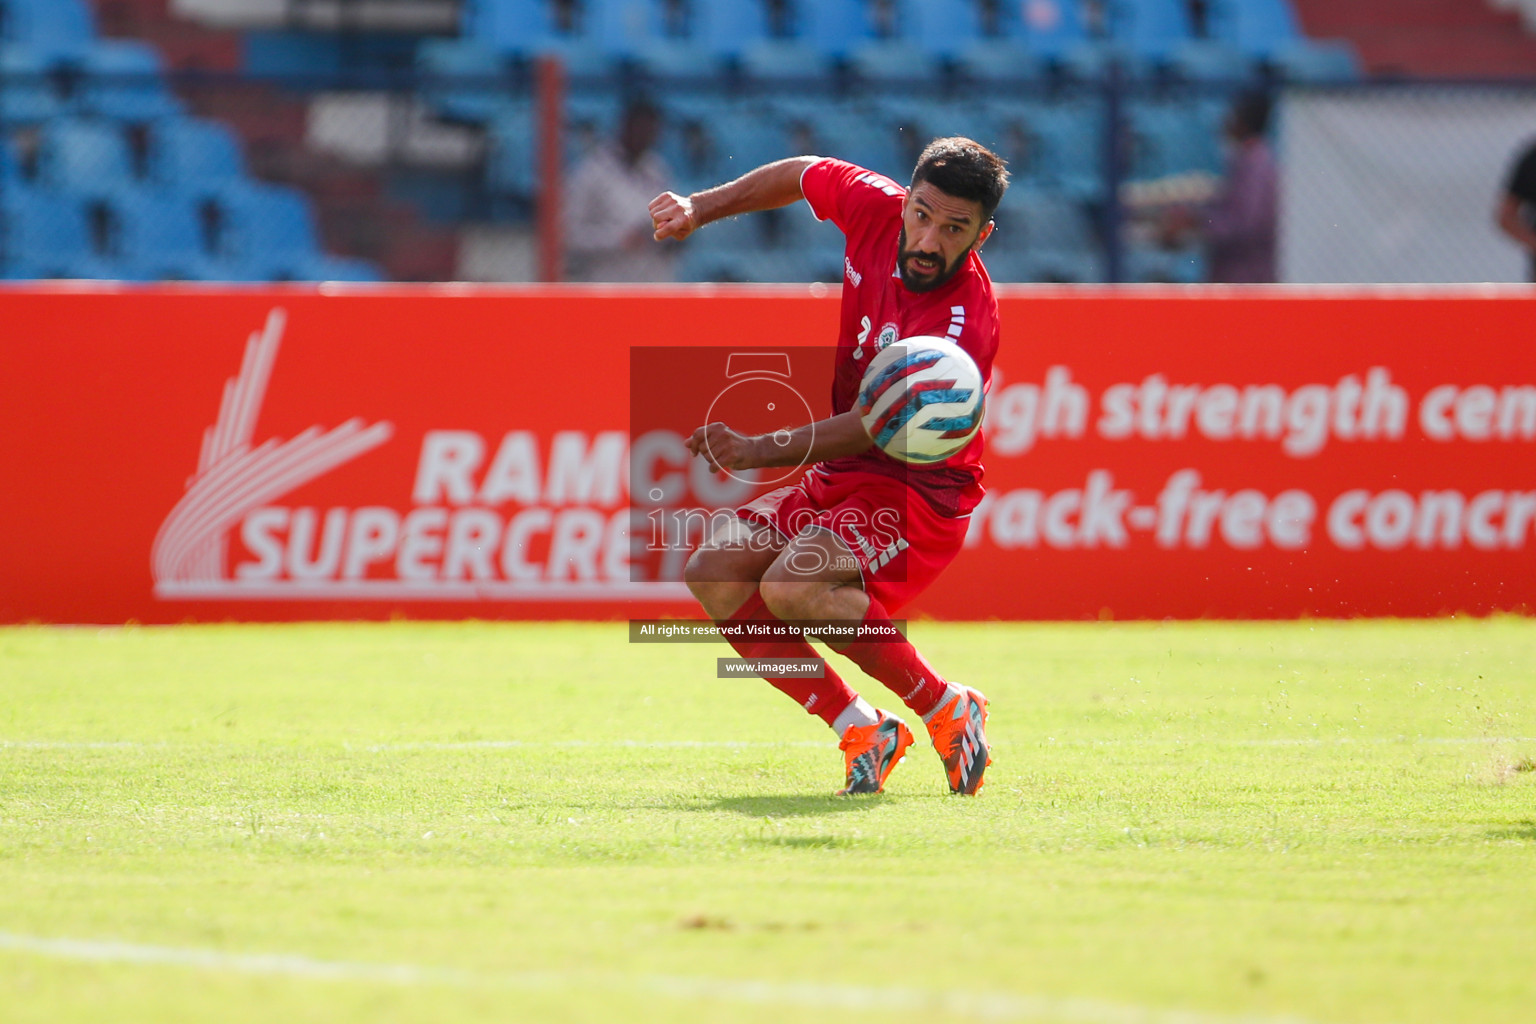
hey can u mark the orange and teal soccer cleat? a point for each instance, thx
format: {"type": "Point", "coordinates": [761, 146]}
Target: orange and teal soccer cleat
{"type": "Point", "coordinates": [871, 751]}
{"type": "Point", "coordinates": [958, 727]}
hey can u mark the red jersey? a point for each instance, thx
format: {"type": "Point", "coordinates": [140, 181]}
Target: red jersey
{"type": "Point", "coordinates": [879, 309]}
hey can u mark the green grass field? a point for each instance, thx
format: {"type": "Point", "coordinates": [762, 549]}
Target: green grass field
{"type": "Point", "coordinates": [1198, 823]}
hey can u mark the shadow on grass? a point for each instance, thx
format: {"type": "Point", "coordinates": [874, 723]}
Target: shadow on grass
{"type": "Point", "coordinates": [1525, 830]}
{"type": "Point", "coordinates": [797, 805]}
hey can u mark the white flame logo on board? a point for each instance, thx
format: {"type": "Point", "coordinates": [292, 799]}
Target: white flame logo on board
{"type": "Point", "coordinates": [234, 476]}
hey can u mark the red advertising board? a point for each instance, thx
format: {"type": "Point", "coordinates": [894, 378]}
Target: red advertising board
{"type": "Point", "coordinates": [179, 453]}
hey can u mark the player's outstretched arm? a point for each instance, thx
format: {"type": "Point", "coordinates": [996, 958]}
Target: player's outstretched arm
{"type": "Point", "coordinates": [766, 188]}
{"type": "Point", "coordinates": [724, 448]}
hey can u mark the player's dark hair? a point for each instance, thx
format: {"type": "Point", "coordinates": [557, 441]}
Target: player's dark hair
{"type": "Point", "coordinates": [965, 169]}
{"type": "Point", "coordinates": [641, 106]}
{"type": "Point", "coordinates": [1250, 113]}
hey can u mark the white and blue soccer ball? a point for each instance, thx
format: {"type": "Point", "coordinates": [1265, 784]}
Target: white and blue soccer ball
{"type": "Point", "coordinates": [921, 399]}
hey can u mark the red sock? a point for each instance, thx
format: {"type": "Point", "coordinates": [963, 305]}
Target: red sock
{"type": "Point", "coordinates": [826, 697]}
{"type": "Point", "coordinates": [896, 663]}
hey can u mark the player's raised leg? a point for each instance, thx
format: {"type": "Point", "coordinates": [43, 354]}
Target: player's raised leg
{"type": "Point", "coordinates": [816, 580]}
{"type": "Point", "coordinates": [723, 574]}
{"type": "Point", "coordinates": [955, 715]}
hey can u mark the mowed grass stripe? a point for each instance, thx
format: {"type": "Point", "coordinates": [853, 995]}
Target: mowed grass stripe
{"type": "Point", "coordinates": [1332, 822]}
{"type": "Point", "coordinates": [851, 998]}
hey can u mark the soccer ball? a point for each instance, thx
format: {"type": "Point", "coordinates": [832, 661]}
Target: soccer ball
{"type": "Point", "coordinates": [921, 399]}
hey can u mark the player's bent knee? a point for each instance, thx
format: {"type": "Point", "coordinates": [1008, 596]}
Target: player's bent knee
{"type": "Point", "coordinates": [794, 600]}
{"type": "Point", "coordinates": [719, 582]}
{"type": "Point", "coordinates": [710, 565]}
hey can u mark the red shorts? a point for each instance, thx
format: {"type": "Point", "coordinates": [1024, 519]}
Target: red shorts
{"type": "Point", "coordinates": [900, 543]}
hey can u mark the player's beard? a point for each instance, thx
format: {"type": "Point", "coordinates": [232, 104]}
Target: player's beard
{"type": "Point", "coordinates": [915, 283]}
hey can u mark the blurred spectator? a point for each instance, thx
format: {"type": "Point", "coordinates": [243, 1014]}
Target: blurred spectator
{"type": "Point", "coordinates": [781, 18]}
{"type": "Point", "coordinates": [564, 15]}
{"type": "Point", "coordinates": [802, 137]}
{"type": "Point", "coordinates": [990, 14]}
{"type": "Point", "coordinates": [1200, 18]}
{"type": "Point", "coordinates": [882, 17]}
{"type": "Point", "coordinates": [1020, 147]}
{"type": "Point", "coordinates": [1517, 205]}
{"type": "Point", "coordinates": [607, 223]}
{"type": "Point", "coordinates": [1238, 225]}
{"type": "Point", "coordinates": [910, 138]}
{"type": "Point", "coordinates": [675, 17]}
{"type": "Point", "coordinates": [699, 154]}
{"type": "Point", "coordinates": [26, 145]}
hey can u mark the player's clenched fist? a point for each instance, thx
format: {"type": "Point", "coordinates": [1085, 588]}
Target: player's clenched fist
{"type": "Point", "coordinates": [723, 448]}
{"type": "Point", "coordinates": [673, 216]}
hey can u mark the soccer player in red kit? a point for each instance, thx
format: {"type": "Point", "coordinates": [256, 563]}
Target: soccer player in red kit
{"type": "Point", "coordinates": [824, 550]}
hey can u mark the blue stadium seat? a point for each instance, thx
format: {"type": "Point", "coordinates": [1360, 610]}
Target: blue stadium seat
{"type": "Point", "coordinates": [48, 236]}
{"type": "Point", "coordinates": [999, 60]}
{"type": "Point", "coordinates": [708, 101]}
{"type": "Point", "coordinates": [53, 29]}
{"type": "Point", "coordinates": [821, 242]}
{"type": "Point", "coordinates": [904, 128]}
{"type": "Point", "coordinates": [689, 146]}
{"type": "Point", "coordinates": [1009, 129]}
{"type": "Point", "coordinates": [512, 152]}
{"type": "Point", "coordinates": [512, 135]}
{"type": "Point", "coordinates": [621, 28]}
{"type": "Point", "coordinates": [159, 235]}
{"type": "Point", "coordinates": [1144, 265]}
{"type": "Point", "coordinates": [743, 141]}
{"type": "Point", "coordinates": [1150, 28]}
{"type": "Point", "coordinates": [1257, 27]}
{"type": "Point", "coordinates": [727, 250]}
{"type": "Point", "coordinates": [510, 27]}
{"type": "Point", "coordinates": [854, 132]}
{"type": "Point", "coordinates": [194, 155]}
{"type": "Point", "coordinates": [26, 93]}
{"type": "Point", "coordinates": [86, 157]}
{"type": "Point", "coordinates": [675, 57]}
{"type": "Point", "coordinates": [726, 27]}
{"type": "Point", "coordinates": [460, 78]}
{"type": "Point", "coordinates": [943, 28]}
{"type": "Point", "coordinates": [1211, 61]}
{"type": "Point", "coordinates": [1070, 138]}
{"type": "Point", "coordinates": [1048, 27]}
{"type": "Point", "coordinates": [1169, 138]}
{"type": "Point", "coordinates": [892, 61]}
{"type": "Point", "coordinates": [934, 117]}
{"type": "Point", "coordinates": [1090, 62]}
{"type": "Point", "coordinates": [835, 27]}
{"type": "Point", "coordinates": [777, 59]}
{"type": "Point", "coordinates": [788, 105]}
{"type": "Point", "coordinates": [272, 235]}
{"type": "Point", "coordinates": [1045, 267]}
{"type": "Point", "coordinates": [524, 29]}
{"type": "Point", "coordinates": [1318, 61]}
{"type": "Point", "coordinates": [599, 108]}
{"type": "Point", "coordinates": [125, 80]}
{"type": "Point", "coordinates": [1042, 221]}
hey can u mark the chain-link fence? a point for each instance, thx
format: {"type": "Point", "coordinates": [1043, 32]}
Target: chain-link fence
{"type": "Point", "coordinates": [426, 175]}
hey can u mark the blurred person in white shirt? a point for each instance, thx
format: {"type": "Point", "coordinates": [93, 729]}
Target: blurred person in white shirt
{"type": "Point", "coordinates": [608, 230]}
